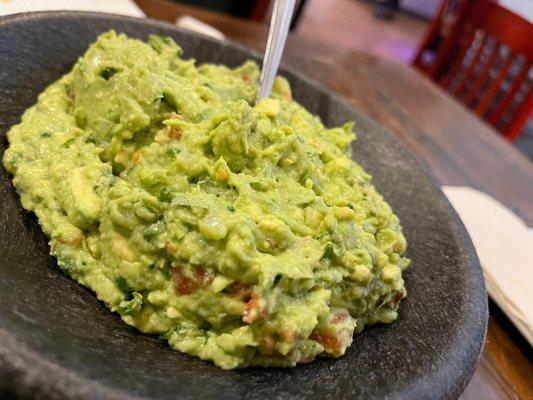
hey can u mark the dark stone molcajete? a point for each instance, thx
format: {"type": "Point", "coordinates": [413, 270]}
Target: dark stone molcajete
{"type": "Point", "coordinates": [58, 341]}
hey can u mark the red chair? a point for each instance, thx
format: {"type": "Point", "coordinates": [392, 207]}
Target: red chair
{"type": "Point", "coordinates": [485, 61]}
{"type": "Point", "coordinates": [446, 15]}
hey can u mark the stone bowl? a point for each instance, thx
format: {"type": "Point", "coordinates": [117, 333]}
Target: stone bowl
{"type": "Point", "coordinates": [57, 341]}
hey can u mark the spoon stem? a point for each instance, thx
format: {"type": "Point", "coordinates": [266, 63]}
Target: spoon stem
{"type": "Point", "coordinates": [277, 36]}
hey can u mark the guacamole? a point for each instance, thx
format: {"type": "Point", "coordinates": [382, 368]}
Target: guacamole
{"type": "Point", "coordinates": [242, 234]}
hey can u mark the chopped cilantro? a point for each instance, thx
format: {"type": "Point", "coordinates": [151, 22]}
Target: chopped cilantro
{"type": "Point", "coordinates": [66, 264]}
{"type": "Point", "coordinates": [173, 151]}
{"type": "Point", "coordinates": [124, 287]}
{"type": "Point", "coordinates": [194, 179]}
{"type": "Point", "coordinates": [153, 230]}
{"type": "Point", "coordinates": [329, 252]}
{"type": "Point", "coordinates": [132, 305]}
{"type": "Point", "coordinates": [108, 72]}
{"type": "Point", "coordinates": [68, 142]}
{"type": "Point", "coordinates": [165, 195]}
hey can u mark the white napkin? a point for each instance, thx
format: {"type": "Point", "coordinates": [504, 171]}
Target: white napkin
{"type": "Point", "coordinates": [125, 7]}
{"type": "Point", "coordinates": [195, 25]}
{"type": "Point", "coordinates": [504, 245]}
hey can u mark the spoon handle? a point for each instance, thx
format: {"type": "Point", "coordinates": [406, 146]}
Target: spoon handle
{"type": "Point", "coordinates": [277, 36]}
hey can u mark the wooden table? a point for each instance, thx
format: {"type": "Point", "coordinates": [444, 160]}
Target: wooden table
{"type": "Point", "coordinates": [455, 146]}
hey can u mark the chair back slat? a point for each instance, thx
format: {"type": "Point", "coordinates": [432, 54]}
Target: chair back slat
{"type": "Point", "coordinates": [479, 62]}
{"type": "Point", "coordinates": [471, 65]}
{"type": "Point", "coordinates": [448, 13]}
{"type": "Point", "coordinates": [480, 81]}
{"type": "Point", "coordinates": [520, 115]}
{"type": "Point", "coordinates": [457, 63]}
{"type": "Point", "coordinates": [496, 115]}
{"type": "Point", "coordinates": [431, 35]}
{"type": "Point", "coordinates": [493, 89]}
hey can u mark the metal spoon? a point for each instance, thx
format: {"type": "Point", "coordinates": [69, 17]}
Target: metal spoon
{"type": "Point", "coordinates": [277, 36]}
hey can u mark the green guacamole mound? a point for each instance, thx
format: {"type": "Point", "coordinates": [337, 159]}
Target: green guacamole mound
{"type": "Point", "coordinates": [242, 234]}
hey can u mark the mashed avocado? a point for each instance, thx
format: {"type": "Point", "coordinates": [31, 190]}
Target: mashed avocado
{"type": "Point", "coordinates": [242, 234]}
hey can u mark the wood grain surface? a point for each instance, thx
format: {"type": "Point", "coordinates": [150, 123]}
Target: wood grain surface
{"type": "Point", "coordinates": [452, 144]}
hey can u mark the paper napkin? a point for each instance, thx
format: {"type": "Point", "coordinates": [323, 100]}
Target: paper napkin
{"type": "Point", "coordinates": [504, 245]}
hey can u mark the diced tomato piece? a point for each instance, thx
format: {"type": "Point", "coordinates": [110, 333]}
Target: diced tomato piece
{"type": "Point", "coordinates": [184, 285]}
{"type": "Point", "coordinates": [239, 290]}
{"type": "Point", "coordinates": [251, 311]}
{"type": "Point", "coordinates": [398, 297]}
{"type": "Point", "coordinates": [254, 311]}
{"type": "Point", "coordinates": [174, 132]}
{"type": "Point", "coordinates": [329, 340]}
{"type": "Point", "coordinates": [203, 277]}
{"type": "Point", "coordinates": [267, 345]}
